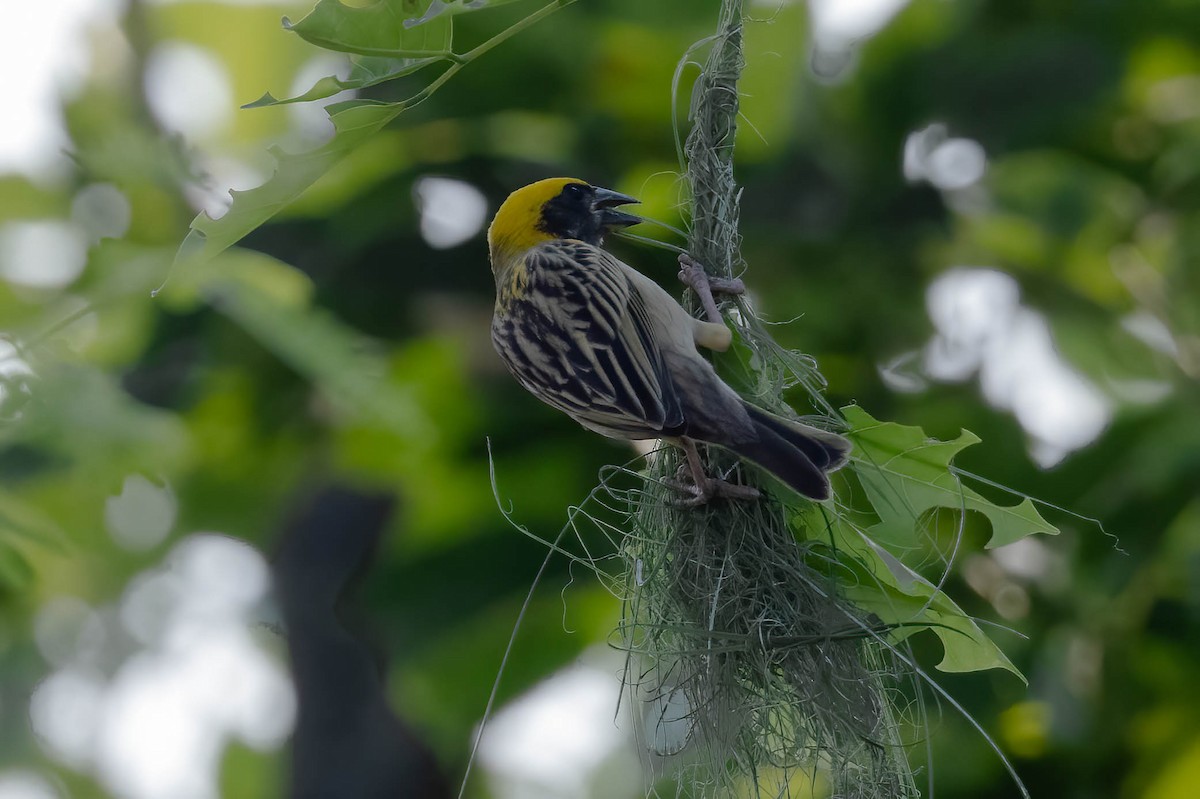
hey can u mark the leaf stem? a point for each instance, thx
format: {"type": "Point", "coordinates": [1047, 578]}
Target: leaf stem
{"type": "Point", "coordinates": [515, 28]}
{"type": "Point", "coordinates": [461, 61]}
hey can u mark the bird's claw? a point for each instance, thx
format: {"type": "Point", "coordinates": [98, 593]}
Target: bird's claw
{"type": "Point", "coordinates": [694, 277]}
{"type": "Point", "coordinates": [726, 285]}
{"type": "Point", "coordinates": [709, 489]}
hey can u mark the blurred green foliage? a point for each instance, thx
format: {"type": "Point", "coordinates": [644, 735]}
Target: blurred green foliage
{"type": "Point", "coordinates": [337, 343]}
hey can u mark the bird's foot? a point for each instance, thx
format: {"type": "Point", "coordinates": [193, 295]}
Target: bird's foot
{"type": "Point", "coordinates": [695, 494]}
{"type": "Point", "coordinates": [694, 277]}
{"type": "Point", "coordinates": [691, 273]}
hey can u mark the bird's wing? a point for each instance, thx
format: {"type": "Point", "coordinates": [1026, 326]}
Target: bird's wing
{"type": "Point", "coordinates": [577, 334]}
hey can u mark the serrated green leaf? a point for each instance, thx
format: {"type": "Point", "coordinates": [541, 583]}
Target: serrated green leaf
{"type": "Point", "coordinates": [907, 475]}
{"type": "Point", "coordinates": [898, 595]}
{"type": "Point", "coordinates": [365, 71]}
{"type": "Point", "coordinates": [901, 596]}
{"type": "Point", "coordinates": [354, 122]}
{"type": "Point", "coordinates": [391, 28]}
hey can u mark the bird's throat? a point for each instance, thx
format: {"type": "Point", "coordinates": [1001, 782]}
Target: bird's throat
{"type": "Point", "coordinates": [512, 277]}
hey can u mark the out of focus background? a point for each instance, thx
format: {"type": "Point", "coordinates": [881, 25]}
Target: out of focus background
{"type": "Point", "coordinates": [973, 214]}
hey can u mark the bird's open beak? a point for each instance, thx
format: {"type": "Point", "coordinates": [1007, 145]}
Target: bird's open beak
{"type": "Point", "coordinates": [606, 204]}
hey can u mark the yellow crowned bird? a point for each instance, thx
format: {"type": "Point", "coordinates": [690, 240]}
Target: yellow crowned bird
{"type": "Point", "coordinates": [596, 339]}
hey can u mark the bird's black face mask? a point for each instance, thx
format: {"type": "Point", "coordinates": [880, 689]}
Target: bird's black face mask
{"type": "Point", "coordinates": [585, 213]}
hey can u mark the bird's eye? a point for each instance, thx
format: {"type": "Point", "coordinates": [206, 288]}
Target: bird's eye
{"type": "Point", "coordinates": [573, 190]}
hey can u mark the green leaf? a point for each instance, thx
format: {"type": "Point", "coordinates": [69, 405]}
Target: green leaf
{"type": "Point", "coordinates": [354, 122]}
{"type": "Point", "coordinates": [906, 475]}
{"type": "Point", "coordinates": [901, 596]}
{"type": "Point", "coordinates": [897, 595]}
{"type": "Point", "coordinates": [393, 28]}
{"type": "Point", "coordinates": [384, 38]}
{"type": "Point", "coordinates": [364, 71]}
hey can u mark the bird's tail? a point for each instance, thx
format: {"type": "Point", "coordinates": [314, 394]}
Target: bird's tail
{"type": "Point", "coordinates": [796, 453]}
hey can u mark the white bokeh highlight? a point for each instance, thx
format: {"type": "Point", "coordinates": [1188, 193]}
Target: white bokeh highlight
{"type": "Point", "coordinates": [25, 784]}
{"type": "Point", "coordinates": [101, 211]}
{"type": "Point", "coordinates": [1030, 560]}
{"type": "Point", "coordinates": [46, 54]}
{"type": "Point", "coordinates": [983, 329]}
{"type": "Point", "coordinates": [1151, 331]}
{"type": "Point", "coordinates": [561, 741]}
{"type": "Point", "coordinates": [223, 174]}
{"type": "Point", "coordinates": [142, 515]}
{"type": "Point", "coordinates": [844, 22]}
{"type": "Point", "coordinates": [838, 26]}
{"type": "Point", "coordinates": [158, 726]}
{"type": "Point", "coordinates": [42, 253]}
{"type": "Point", "coordinates": [452, 211]}
{"type": "Point", "coordinates": [65, 712]}
{"type": "Point", "coordinates": [188, 90]}
{"type": "Point", "coordinates": [16, 377]}
{"type": "Point", "coordinates": [668, 722]}
{"type": "Point", "coordinates": [946, 163]}
{"type": "Point", "coordinates": [310, 120]}
{"type": "Point", "coordinates": [67, 629]}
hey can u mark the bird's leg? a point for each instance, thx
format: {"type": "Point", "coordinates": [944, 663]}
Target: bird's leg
{"type": "Point", "coordinates": [694, 276]}
{"type": "Point", "coordinates": [704, 488]}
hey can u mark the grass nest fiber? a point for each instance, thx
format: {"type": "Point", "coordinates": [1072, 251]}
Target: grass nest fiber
{"type": "Point", "coordinates": [751, 675]}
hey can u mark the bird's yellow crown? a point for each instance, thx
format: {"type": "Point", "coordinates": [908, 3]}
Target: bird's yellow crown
{"type": "Point", "coordinates": [516, 226]}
